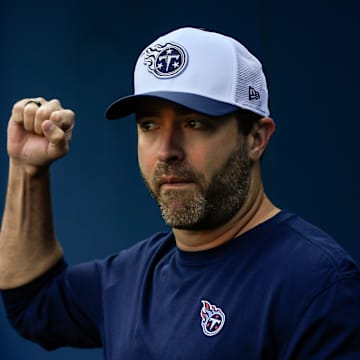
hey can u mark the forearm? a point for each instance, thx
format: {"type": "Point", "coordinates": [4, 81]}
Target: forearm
{"type": "Point", "coordinates": [28, 245]}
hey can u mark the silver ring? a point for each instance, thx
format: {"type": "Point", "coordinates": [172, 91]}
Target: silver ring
{"type": "Point", "coordinates": [38, 103]}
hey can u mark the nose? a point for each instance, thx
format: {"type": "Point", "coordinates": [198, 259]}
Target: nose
{"type": "Point", "coordinates": [171, 146]}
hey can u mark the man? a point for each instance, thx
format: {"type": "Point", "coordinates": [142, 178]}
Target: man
{"type": "Point", "coordinates": [236, 278]}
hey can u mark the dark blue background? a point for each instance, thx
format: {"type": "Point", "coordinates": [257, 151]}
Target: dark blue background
{"type": "Point", "coordinates": [83, 53]}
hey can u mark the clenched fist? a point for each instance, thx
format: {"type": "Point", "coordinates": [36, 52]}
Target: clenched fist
{"type": "Point", "coordinates": [39, 132]}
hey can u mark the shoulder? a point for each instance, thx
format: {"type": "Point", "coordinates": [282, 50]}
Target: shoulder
{"type": "Point", "coordinates": [298, 261]}
{"type": "Point", "coordinates": [312, 248]}
{"type": "Point", "coordinates": [323, 283]}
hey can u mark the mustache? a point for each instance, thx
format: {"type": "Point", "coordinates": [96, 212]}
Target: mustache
{"type": "Point", "coordinates": [177, 170]}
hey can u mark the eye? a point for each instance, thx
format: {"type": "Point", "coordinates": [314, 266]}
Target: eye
{"type": "Point", "coordinates": [147, 125]}
{"type": "Point", "coordinates": [194, 124]}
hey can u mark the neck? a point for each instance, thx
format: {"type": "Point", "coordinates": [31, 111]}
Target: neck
{"type": "Point", "coordinates": [256, 209]}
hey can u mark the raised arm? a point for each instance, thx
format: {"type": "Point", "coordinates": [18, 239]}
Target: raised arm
{"type": "Point", "coordinates": [39, 132]}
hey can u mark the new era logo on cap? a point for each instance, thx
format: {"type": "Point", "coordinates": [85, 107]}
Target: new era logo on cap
{"type": "Point", "coordinates": [253, 94]}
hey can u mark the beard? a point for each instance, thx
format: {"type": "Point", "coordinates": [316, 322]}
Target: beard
{"type": "Point", "coordinates": [208, 205]}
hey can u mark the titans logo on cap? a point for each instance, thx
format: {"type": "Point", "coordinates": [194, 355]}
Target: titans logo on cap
{"type": "Point", "coordinates": [212, 318]}
{"type": "Point", "coordinates": [165, 61]}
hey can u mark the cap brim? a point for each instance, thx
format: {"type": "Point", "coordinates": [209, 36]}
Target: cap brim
{"type": "Point", "coordinates": [131, 104]}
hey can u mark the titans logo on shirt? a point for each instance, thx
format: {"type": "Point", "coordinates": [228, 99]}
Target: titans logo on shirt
{"type": "Point", "coordinates": [165, 61]}
{"type": "Point", "coordinates": [212, 318]}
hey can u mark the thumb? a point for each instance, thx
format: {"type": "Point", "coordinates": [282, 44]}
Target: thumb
{"type": "Point", "coordinates": [56, 138]}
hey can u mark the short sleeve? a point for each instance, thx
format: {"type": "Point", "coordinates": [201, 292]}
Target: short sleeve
{"type": "Point", "coordinates": [330, 325]}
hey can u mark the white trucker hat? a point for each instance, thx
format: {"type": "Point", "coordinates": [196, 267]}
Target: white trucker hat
{"type": "Point", "coordinates": [201, 70]}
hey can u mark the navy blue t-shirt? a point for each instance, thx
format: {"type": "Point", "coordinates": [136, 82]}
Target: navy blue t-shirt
{"type": "Point", "coordinates": [283, 290]}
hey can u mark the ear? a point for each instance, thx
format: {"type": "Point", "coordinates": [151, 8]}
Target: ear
{"type": "Point", "coordinates": [259, 137]}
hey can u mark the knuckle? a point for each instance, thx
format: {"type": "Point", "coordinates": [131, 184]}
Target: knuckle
{"type": "Point", "coordinates": [70, 113]}
{"type": "Point", "coordinates": [70, 117]}
{"type": "Point", "coordinates": [43, 112]}
{"type": "Point", "coordinates": [18, 107]}
{"type": "Point", "coordinates": [55, 116]}
{"type": "Point", "coordinates": [30, 110]}
{"type": "Point", "coordinates": [62, 119]}
{"type": "Point", "coordinates": [55, 102]}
